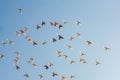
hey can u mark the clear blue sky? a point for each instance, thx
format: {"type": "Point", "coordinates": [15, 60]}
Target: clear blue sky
{"type": "Point", "coordinates": [100, 24]}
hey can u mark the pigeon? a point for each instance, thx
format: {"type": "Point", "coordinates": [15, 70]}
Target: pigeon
{"type": "Point", "coordinates": [43, 23]}
{"type": "Point", "coordinates": [54, 40]}
{"type": "Point", "coordinates": [60, 37]}
{"type": "Point", "coordinates": [20, 10]}
{"type": "Point", "coordinates": [89, 42]}
{"type": "Point", "coordinates": [106, 48]}
{"type": "Point", "coordinates": [30, 60]}
{"type": "Point", "coordinates": [54, 74]}
{"type": "Point", "coordinates": [38, 27]}
{"type": "Point", "coordinates": [26, 75]}
{"type": "Point", "coordinates": [71, 38]}
{"type": "Point", "coordinates": [40, 76]}
{"type": "Point", "coordinates": [97, 63]}
{"type": "Point", "coordinates": [17, 67]}
{"type": "Point", "coordinates": [44, 42]}
{"type": "Point", "coordinates": [10, 42]}
{"type": "Point", "coordinates": [1, 56]}
{"type": "Point", "coordinates": [35, 44]}
{"type": "Point", "coordinates": [72, 76]}
{"type": "Point", "coordinates": [46, 67]}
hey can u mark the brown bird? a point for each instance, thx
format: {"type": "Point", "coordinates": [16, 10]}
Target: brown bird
{"type": "Point", "coordinates": [38, 27]}
{"type": "Point", "coordinates": [69, 46]}
{"type": "Point", "coordinates": [1, 56]}
{"type": "Point", "coordinates": [30, 60]}
{"type": "Point", "coordinates": [26, 75]}
{"type": "Point", "coordinates": [71, 38]}
{"type": "Point", "coordinates": [17, 33]}
{"type": "Point", "coordinates": [63, 77]}
{"type": "Point", "coordinates": [34, 65]}
{"type": "Point", "coordinates": [89, 42]}
{"type": "Point", "coordinates": [40, 76]}
{"type": "Point", "coordinates": [65, 22]}
{"type": "Point", "coordinates": [72, 76]}
{"type": "Point", "coordinates": [21, 31]}
{"type": "Point", "coordinates": [78, 34]}
{"type": "Point", "coordinates": [10, 42]}
{"type": "Point", "coordinates": [97, 63]}
{"type": "Point", "coordinates": [54, 74]}
{"type": "Point", "coordinates": [82, 54]}
{"type": "Point", "coordinates": [20, 10]}
{"type": "Point", "coordinates": [78, 22]}
{"type": "Point", "coordinates": [106, 48]}
{"type": "Point", "coordinates": [59, 53]}
{"type": "Point", "coordinates": [65, 56]}
{"type": "Point", "coordinates": [50, 64]}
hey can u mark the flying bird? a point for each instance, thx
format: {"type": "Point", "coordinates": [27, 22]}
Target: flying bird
{"type": "Point", "coordinates": [89, 42]}
{"type": "Point", "coordinates": [97, 63]}
{"type": "Point", "coordinates": [54, 74]}
{"type": "Point", "coordinates": [35, 43]}
{"type": "Point", "coordinates": [72, 76]}
{"type": "Point", "coordinates": [40, 76]}
{"type": "Point", "coordinates": [44, 42]}
{"type": "Point", "coordinates": [38, 27]}
{"type": "Point", "coordinates": [34, 65]}
{"type": "Point", "coordinates": [71, 62]}
{"type": "Point", "coordinates": [46, 67]}
{"type": "Point", "coordinates": [78, 22]}
{"type": "Point", "coordinates": [69, 46]}
{"type": "Point", "coordinates": [60, 26]}
{"type": "Point", "coordinates": [43, 23]}
{"type": "Point", "coordinates": [78, 34]}
{"type": "Point", "coordinates": [30, 60]}
{"type": "Point", "coordinates": [10, 42]}
{"type": "Point", "coordinates": [71, 38]}
{"type": "Point", "coordinates": [26, 75]}
{"type": "Point", "coordinates": [106, 48]}
{"type": "Point", "coordinates": [4, 43]}
{"type": "Point", "coordinates": [50, 64]}
{"type": "Point", "coordinates": [1, 56]}
{"type": "Point", "coordinates": [60, 37]}
{"type": "Point", "coordinates": [54, 40]}
{"type": "Point", "coordinates": [20, 10]}
{"type": "Point", "coordinates": [17, 67]}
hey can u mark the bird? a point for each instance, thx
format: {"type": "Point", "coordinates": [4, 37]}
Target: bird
{"type": "Point", "coordinates": [71, 62]}
{"type": "Point", "coordinates": [65, 56]}
{"type": "Point", "coordinates": [78, 34]}
{"type": "Point", "coordinates": [10, 42]}
{"type": "Point", "coordinates": [34, 65]}
{"type": "Point", "coordinates": [59, 53]}
{"type": "Point", "coordinates": [17, 67]}
{"type": "Point", "coordinates": [82, 54]}
{"type": "Point", "coordinates": [4, 43]}
{"type": "Point", "coordinates": [54, 40]}
{"type": "Point", "coordinates": [1, 56]}
{"type": "Point", "coordinates": [65, 22]}
{"type": "Point", "coordinates": [89, 42]}
{"type": "Point", "coordinates": [17, 54]}
{"type": "Point", "coordinates": [60, 37]}
{"type": "Point", "coordinates": [54, 74]}
{"type": "Point", "coordinates": [43, 23]}
{"type": "Point", "coordinates": [38, 27]}
{"type": "Point", "coordinates": [16, 60]}
{"type": "Point", "coordinates": [20, 10]}
{"type": "Point", "coordinates": [69, 46]}
{"type": "Point", "coordinates": [30, 60]}
{"type": "Point", "coordinates": [72, 76]}
{"type": "Point", "coordinates": [60, 26]}
{"type": "Point", "coordinates": [46, 67]}
{"type": "Point", "coordinates": [78, 22]}
{"type": "Point", "coordinates": [50, 64]}
{"type": "Point", "coordinates": [44, 42]}
{"type": "Point", "coordinates": [71, 38]}
{"type": "Point", "coordinates": [63, 77]}
{"type": "Point", "coordinates": [35, 43]}
{"type": "Point", "coordinates": [106, 48]}
{"type": "Point", "coordinates": [17, 33]}
{"type": "Point", "coordinates": [26, 75]}
{"type": "Point", "coordinates": [97, 63]}
{"type": "Point", "coordinates": [25, 29]}
{"type": "Point", "coordinates": [40, 76]}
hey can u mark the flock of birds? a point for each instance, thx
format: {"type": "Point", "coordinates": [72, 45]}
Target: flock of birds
{"type": "Point", "coordinates": [53, 40]}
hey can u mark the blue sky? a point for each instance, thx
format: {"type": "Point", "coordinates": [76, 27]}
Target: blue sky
{"type": "Point", "coordinates": [100, 24]}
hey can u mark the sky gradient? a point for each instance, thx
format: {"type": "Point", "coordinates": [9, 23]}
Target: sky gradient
{"type": "Point", "coordinates": [100, 24]}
